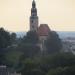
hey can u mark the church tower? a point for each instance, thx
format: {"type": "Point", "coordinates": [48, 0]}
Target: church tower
{"type": "Point", "coordinates": [33, 17]}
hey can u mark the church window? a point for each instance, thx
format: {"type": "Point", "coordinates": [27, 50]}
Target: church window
{"type": "Point", "coordinates": [32, 26]}
{"type": "Point", "coordinates": [32, 21]}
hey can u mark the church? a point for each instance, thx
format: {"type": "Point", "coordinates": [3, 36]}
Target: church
{"type": "Point", "coordinates": [42, 29]}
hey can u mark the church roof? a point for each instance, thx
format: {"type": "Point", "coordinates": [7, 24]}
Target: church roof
{"type": "Point", "coordinates": [43, 30]}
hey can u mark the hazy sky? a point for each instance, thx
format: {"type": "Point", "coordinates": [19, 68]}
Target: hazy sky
{"type": "Point", "coordinates": [58, 14]}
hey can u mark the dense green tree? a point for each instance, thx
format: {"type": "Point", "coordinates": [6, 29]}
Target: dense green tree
{"type": "Point", "coordinates": [31, 37]}
{"type": "Point", "coordinates": [62, 71]}
{"type": "Point", "coordinates": [25, 57]}
{"type": "Point", "coordinates": [29, 44]}
{"type": "Point", "coordinates": [57, 71]}
{"type": "Point", "coordinates": [31, 67]}
{"type": "Point", "coordinates": [29, 50]}
{"type": "Point", "coordinates": [4, 38]}
{"type": "Point", "coordinates": [13, 37]}
{"type": "Point", "coordinates": [69, 71]}
{"type": "Point", "coordinates": [53, 43]}
{"type": "Point", "coordinates": [12, 57]}
{"type": "Point", "coordinates": [4, 43]}
{"type": "Point", "coordinates": [57, 60]}
{"type": "Point", "coordinates": [55, 64]}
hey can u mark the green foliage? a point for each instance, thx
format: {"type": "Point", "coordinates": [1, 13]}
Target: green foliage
{"type": "Point", "coordinates": [25, 58]}
{"type": "Point", "coordinates": [28, 45]}
{"type": "Point", "coordinates": [4, 38]}
{"type": "Point", "coordinates": [12, 57]}
{"type": "Point", "coordinates": [58, 60]}
{"type": "Point", "coordinates": [31, 67]}
{"type": "Point", "coordinates": [4, 43]}
{"type": "Point", "coordinates": [55, 64]}
{"type": "Point", "coordinates": [13, 38]}
{"type": "Point", "coordinates": [31, 37]}
{"type": "Point", "coordinates": [53, 43]}
{"type": "Point", "coordinates": [57, 71]}
{"type": "Point", "coordinates": [62, 71]}
{"type": "Point", "coordinates": [29, 50]}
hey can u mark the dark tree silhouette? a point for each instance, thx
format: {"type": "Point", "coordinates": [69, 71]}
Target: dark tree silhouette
{"type": "Point", "coordinates": [13, 38]}
{"type": "Point", "coordinates": [31, 37]}
{"type": "Point", "coordinates": [4, 38]}
{"type": "Point", "coordinates": [4, 43]}
{"type": "Point", "coordinates": [53, 42]}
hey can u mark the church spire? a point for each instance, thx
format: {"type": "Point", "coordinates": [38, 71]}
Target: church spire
{"type": "Point", "coordinates": [33, 17]}
{"type": "Point", "coordinates": [34, 9]}
{"type": "Point", "coordinates": [33, 4]}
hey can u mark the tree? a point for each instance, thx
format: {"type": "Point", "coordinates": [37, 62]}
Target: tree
{"type": "Point", "coordinates": [12, 57]}
{"type": "Point", "coordinates": [62, 71]}
{"type": "Point", "coordinates": [29, 44]}
{"type": "Point", "coordinates": [29, 50]}
{"type": "Point", "coordinates": [53, 42]}
{"type": "Point", "coordinates": [31, 37]}
{"type": "Point", "coordinates": [13, 38]}
{"type": "Point", "coordinates": [4, 43]}
{"type": "Point", "coordinates": [4, 38]}
{"type": "Point", "coordinates": [31, 67]}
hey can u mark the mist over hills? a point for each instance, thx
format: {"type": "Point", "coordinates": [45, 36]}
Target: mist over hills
{"type": "Point", "coordinates": [62, 34]}
{"type": "Point", "coordinates": [65, 34]}
{"type": "Point", "coordinates": [21, 34]}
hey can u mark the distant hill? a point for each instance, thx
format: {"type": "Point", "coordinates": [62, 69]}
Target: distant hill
{"type": "Point", "coordinates": [62, 34]}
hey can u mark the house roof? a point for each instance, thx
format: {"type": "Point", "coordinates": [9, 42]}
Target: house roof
{"type": "Point", "coordinates": [43, 30]}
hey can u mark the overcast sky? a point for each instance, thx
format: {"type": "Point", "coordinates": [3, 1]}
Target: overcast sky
{"type": "Point", "coordinates": [58, 14]}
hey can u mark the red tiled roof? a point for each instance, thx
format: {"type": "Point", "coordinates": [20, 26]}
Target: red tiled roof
{"type": "Point", "coordinates": [43, 30]}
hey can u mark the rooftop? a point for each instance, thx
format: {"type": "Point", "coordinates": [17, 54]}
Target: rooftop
{"type": "Point", "coordinates": [43, 30]}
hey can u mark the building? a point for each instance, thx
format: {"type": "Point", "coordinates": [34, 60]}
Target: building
{"type": "Point", "coordinates": [42, 29]}
{"type": "Point", "coordinates": [43, 32]}
{"type": "Point", "coordinates": [33, 18]}
{"type": "Point", "coordinates": [4, 70]}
